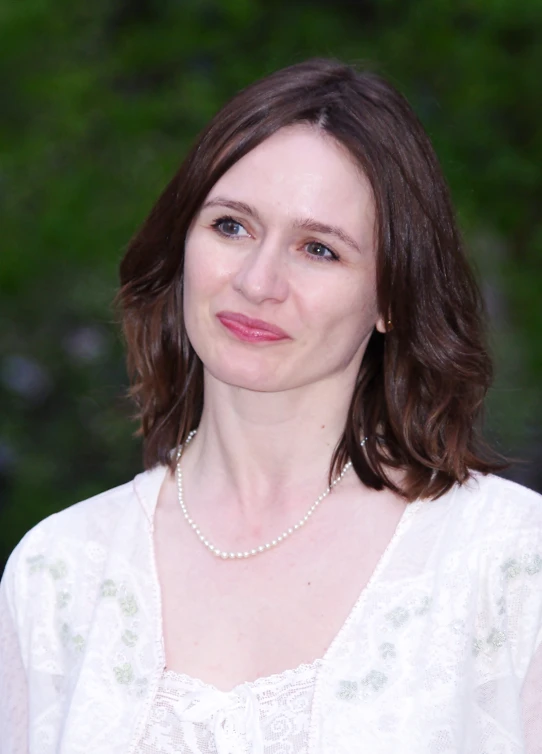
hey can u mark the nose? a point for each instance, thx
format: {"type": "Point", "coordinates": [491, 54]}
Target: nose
{"type": "Point", "coordinates": [262, 274]}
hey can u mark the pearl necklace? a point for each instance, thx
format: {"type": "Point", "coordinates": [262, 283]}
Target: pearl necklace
{"type": "Point", "coordinates": [262, 548]}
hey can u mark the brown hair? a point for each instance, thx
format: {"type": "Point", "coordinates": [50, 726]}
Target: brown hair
{"type": "Point", "coordinates": [420, 388]}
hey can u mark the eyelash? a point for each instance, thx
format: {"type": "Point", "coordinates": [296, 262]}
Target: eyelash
{"type": "Point", "coordinates": [218, 222]}
{"type": "Point", "coordinates": [215, 225]}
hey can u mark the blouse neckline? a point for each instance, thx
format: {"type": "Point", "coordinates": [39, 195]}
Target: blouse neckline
{"type": "Point", "coordinates": [290, 674]}
{"type": "Point", "coordinates": [147, 487]}
{"type": "Point", "coordinates": [404, 523]}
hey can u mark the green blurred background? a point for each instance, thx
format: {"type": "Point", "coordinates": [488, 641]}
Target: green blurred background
{"type": "Point", "coordinates": [99, 102]}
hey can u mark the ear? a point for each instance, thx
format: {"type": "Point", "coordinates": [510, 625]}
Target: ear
{"type": "Point", "coordinates": [381, 326]}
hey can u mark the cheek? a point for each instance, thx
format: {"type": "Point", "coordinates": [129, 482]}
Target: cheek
{"type": "Point", "coordinates": [342, 321]}
{"type": "Point", "coordinates": [349, 307]}
{"type": "Point", "coordinates": [204, 270]}
{"type": "Point", "coordinates": [195, 291]}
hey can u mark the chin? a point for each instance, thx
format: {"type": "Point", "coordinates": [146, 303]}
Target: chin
{"type": "Point", "coordinates": [236, 365]}
{"type": "Point", "coordinates": [258, 378]}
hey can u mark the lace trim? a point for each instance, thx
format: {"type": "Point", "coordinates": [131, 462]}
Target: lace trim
{"type": "Point", "coordinates": [275, 679]}
{"type": "Point", "coordinates": [264, 716]}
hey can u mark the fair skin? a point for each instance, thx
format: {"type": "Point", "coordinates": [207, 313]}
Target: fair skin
{"type": "Point", "coordinates": [285, 236]}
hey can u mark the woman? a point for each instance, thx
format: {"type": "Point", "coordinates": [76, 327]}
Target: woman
{"type": "Point", "coordinates": [327, 564]}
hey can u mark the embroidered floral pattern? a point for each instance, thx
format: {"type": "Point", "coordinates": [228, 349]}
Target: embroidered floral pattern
{"type": "Point", "coordinates": [58, 569]}
{"type": "Point", "coordinates": [533, 564]}
{"type": "Point", "coordinates": [398, 616]}
{"type": "Point", "coordinates": [124, 673]}
{"type": "Point", "coordinates": [424, 605]}
{"type": "Point", "coordinates": [128, 604]}
{"type": "Point", "coordinates": [511, 569]}
{"type": "Point", "coordinates": [496, 639]}
{"type": "Point", "coordinates": [375, 680]}
{"type": "Point", "coordinates": [71, 640]}
{"type": "Point", "coordinates": [78, 642]}
{"type": "Point", "coordinates": [388, 651]}
{"type": "Point", "coordinates": [36, 563]}
{"type": "Point", "coordinates": [347, 691]}
{"type": "Point", "coordinates": [62, 599]}
{"type": "Point", "coordinates": [108, 588]}
{"type": "Point", "coordinates": [129, 638]}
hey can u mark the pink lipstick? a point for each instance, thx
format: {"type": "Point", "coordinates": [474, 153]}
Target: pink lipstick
{"type": "Point", "coordinates": [251, 330]}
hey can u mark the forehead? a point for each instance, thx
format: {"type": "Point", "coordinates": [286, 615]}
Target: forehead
{"type": "Point", "coordinates": [300, 170]}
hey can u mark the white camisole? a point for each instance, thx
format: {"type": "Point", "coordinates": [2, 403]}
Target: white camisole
{"type": "Point", "coordinates": [267, 716]}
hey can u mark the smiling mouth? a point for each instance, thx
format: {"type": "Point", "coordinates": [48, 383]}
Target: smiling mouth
{"type": "Point", "coordinates": [251, 330]}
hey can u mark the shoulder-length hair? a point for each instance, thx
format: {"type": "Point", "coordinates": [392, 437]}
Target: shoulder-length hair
{"type": "Point", "coordinates": [419, 392]}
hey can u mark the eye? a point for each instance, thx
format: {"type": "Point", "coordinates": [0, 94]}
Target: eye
{"type": "Point", "coordinates": [227, 226]}
{"type": "Point", "coordinates": [319, 251]}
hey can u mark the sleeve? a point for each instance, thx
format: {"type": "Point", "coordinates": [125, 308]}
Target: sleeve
{"type": "Point", "coordinates": [531, 703]}
{"type": "Point", "coordinates": [13, 685]}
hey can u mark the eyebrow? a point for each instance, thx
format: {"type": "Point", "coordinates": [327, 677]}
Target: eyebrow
{"type": "Point", "coordinates": [305, 224]}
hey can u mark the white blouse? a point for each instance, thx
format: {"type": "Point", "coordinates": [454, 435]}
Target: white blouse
{"type": "Point", "coordinates": [441, 654]}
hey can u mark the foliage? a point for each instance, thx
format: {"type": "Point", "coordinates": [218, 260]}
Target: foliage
{"type": "Point", "coordinates": [100, 102]}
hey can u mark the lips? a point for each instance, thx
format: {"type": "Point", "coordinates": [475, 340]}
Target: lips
{"type": "Point", "coordinates": [247, 328]}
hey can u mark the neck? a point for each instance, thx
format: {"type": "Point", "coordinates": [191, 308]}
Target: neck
{"type": "Point", "coordinates": [261, 449]}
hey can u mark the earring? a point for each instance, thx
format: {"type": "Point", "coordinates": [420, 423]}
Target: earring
{"type": "Point", "coordinates": [389, 325]}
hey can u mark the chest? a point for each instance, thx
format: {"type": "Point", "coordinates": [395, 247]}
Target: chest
{"type": "Point", "coordinates": [227, 622]}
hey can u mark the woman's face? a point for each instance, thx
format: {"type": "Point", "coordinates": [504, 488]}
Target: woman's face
{"type": "Point", "coordinates": [280, 283]}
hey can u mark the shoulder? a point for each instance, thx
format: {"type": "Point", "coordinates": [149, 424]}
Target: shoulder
{"type": "Point", "coordinates": [89, 519]}
{"type": "Point", "coordinates": [502, 550]}
{"type": "Point", "coordinates": [494, 506]}
{"type": "Point", "coordinates": [86, 529]}
{"type": "Point", "coordinates": [489, 529]}
{"type": "Point", "coordinates": [500, 490]}
{"type": "Point", "coordinates": [83, 578]}
{"type": "Point", "coordinates": [494, 528]}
